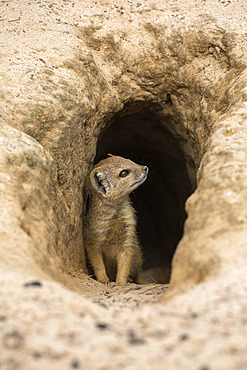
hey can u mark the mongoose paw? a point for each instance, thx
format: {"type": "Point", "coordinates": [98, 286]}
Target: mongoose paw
{"type": "Point", "coordinates": [121, 283]}
{"type": "Point", "coordinates": [104, 280]}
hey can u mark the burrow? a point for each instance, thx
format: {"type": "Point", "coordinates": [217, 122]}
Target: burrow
{"type": "Point", "coordinates": [143, 134]}
{"type": "Point", "coordinates": [166, 126]}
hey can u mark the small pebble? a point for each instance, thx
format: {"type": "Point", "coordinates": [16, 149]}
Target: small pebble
{"type": "Point", "coordinates": [102, 325]}
{"type": "Point", "coordinates": [184, 337]}
{"type": "Point", "coordinates": [35, 283]}
{"type": "Point", "coordinates": [194, 315]}
{"type": "Point", "coordinates": [75, 364]}
{"type": "Point", "coordinates": [36, 354]}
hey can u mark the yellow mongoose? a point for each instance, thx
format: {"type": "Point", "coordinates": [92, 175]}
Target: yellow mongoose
{"type": "Point", "coordinates": [110, 227]}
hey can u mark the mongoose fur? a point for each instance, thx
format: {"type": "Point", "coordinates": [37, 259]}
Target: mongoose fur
{"type": "Point", "coordinates": [110, 226]}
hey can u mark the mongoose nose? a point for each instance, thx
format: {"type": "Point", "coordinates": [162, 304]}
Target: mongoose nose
{"type": "Point", "coordinates": [145, 168]}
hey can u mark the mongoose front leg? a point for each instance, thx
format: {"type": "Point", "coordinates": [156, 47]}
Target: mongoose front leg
{"type": "Point", "coordinates": [98, 265]}
{"type": "Point", "coordinates": [123, 262]}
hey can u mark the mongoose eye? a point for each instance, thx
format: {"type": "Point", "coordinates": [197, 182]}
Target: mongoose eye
{"type": "Point", "coordinates": [124, 173]}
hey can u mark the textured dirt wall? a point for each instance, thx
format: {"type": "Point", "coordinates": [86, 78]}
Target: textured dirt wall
{"type": "Point", "coordinates": [217, 237]}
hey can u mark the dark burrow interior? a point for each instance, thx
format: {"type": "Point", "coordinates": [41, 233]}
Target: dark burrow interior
{"type": "Point", "coordinates": [144, 137]}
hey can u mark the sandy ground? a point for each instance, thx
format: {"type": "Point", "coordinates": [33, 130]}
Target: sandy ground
{"type": "Point", "coordinates": [44, 326]}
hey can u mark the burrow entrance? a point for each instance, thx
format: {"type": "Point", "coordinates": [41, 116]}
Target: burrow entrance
{"type": "Point", "coordinates": [143, 136]}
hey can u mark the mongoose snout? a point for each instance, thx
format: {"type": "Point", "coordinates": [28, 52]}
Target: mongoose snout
{"type": "Point", "coordinates": [143, 178]}
{"type": "Point", "coordinates": [110, 226]}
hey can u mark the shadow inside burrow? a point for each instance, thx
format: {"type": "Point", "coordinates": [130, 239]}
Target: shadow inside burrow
{"type": "Point", "coordinates": [143, 136]}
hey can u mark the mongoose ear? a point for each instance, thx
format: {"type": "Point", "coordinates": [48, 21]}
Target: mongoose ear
{"type": "Point", "coordinates": [98, 182]}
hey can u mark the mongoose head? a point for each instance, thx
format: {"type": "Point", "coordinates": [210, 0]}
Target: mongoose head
{"type": "Point", "coordinates": [116, 177]}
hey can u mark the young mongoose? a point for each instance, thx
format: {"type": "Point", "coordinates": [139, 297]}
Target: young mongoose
{"type": "Point", "coordinates": [110, 228]}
